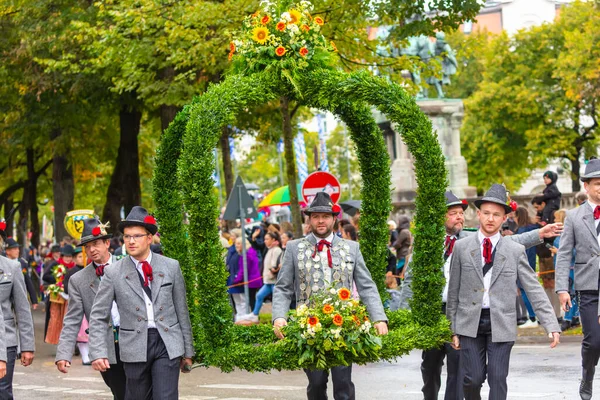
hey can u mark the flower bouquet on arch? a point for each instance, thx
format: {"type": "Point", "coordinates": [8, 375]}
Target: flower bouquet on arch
{"type": "Point", "coordinates": [333, 329]}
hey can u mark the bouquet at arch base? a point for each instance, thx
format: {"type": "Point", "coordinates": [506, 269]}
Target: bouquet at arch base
{"type": "Point", "coordinates": [332, 329]}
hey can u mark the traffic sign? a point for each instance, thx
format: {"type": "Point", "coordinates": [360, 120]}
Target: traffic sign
{"type": "Point", "coordinates": [321, 182]}
{"type": "Point", "coordinates": [240, 204]}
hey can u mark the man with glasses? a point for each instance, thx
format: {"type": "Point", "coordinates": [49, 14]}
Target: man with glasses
{"type": "Point", "coordinates": [83, 287]}
{"type": "Point", "coordinates": [155, 335]}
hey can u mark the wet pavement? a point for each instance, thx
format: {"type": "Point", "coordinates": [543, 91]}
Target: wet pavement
{"type": "Point", "coordinates": [537, 372]}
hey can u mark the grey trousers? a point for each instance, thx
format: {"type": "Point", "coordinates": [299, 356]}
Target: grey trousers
{"type": "Point", "coordinates": [343, 388]}
{"type": "Point", "coordinates": [481, 358]}
{"type": "Point", "coordinates": [6, 383]}
{"type": "Point", "coordinates": [155, 379]}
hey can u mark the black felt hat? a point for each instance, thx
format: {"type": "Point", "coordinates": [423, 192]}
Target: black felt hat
{"type": "Point", "coordinates": [138, 216]}
{"type": "Point", "coordinates": [497, 195]}
{"type": "Point", "coordinates": [67, 250]}
{"type": "Point", "coordinates": [322, 203]}
{"type": "Point", "coordinates": [12, 244]}
{"type": "Point", "coordinates": [452, 200]}
{"type": "Point", "coordinates": [93, 229]}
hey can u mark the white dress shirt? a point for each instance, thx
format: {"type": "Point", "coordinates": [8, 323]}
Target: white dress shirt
{"type": "Point", "coordinates": [147, 300]}
{"type": "Point", "coordinates": [114, 311]}
{"type": "Point", "coordinates": [447, 273]}
{"type": "Point", "coordinates": [487, 279]}
{"type": "Point", "coordinates": [323, 256]}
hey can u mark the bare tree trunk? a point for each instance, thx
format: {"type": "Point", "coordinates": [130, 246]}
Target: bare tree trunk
{"type": "Point", "coordinates": [227, 164]}
{"type": "Point", "coordinates": [63, 187]}
{"type": "Point", "coordinates": [8, 215]}
{"type": "Point", "coordinates": [575, 166]}
{"type": "Point", "coordinates": [290, 162]}
{"type": "Point", "coordinates": [124, 189]}
{"type": "Point", "coordinates": [32, 177]}
{"type": "Point", "coordinates": [167, 112]}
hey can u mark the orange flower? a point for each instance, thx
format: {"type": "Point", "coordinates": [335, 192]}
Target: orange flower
{"type": "Point", "coordinates": [230, 56]}
{"type": "Point", "coordinates": [334, 46]}
{"type": "Point", "coordinates": [305, 28]}
{"type": "Point", "coordinates": [232, 47]}
{"type": "Point", "coordinates": [312, 321]}
{"type": "Point", "coordinates": [327, 309]}
{"type": "Point", "coordinates": [356, 320]}
{"type": "Point", "coordinates": [338, 320]}
{"type": "Point", "coordinates": [319, 21]}
{"type": "Point", "coordinates": [303, 51]}
{"type": "Point", "coordinates": [255, 14]}
{"type": "Point", "coordinates": [344, 294]}
{"type": "Point", "coordinates": [280, 51]}
{"type": "Point", "coordinates": [265, 20]}
{"type": "Point", "coordinates": [280, 26]}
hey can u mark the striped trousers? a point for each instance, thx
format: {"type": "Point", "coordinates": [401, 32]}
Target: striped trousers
{"type": "Point", "coordinates": [480, 358]}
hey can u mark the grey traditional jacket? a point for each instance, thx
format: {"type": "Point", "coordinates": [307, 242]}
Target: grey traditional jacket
{"type": "Point", "coordinates": [3, 355]}
{"type": "Point", "coordinates": [18, 324]}
{"type": "Point", "coordinates": [301, 275]}
{"type": "Point", "coordinates": [466, 289]}
{"type": "Point", "coordinates": [121, 283]}
{"type": "Point", "coordinates": [83, 287]}
{"type": "Point", "coordinates": [527, 239]}
{"type": "Point", "coordinates": [580, 234]}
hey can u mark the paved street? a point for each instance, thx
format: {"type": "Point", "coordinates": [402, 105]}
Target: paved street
{"type": "Point", "coordinates": [537, 372]}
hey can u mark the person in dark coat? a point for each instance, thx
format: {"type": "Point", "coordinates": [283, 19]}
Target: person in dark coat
{"type": "Point", "coordinates": [403, 243]}
{"type": "Point", "coordinates": [12, 252]}
{"type": "Point", "coordinates": [551, 196]}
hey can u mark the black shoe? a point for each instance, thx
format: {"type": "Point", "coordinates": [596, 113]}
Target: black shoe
{"type": "Point", "coordinates": [585, 390]}
{"type": "Point", "coordinates": [575, 322]}
{"type": "Point", "coordinates": [522, 321]}
{"type": "Point", "coordinates": [565, 325]}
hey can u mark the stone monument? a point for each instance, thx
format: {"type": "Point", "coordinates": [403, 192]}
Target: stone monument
{"type": "Point", "coordinates": [446, 116]}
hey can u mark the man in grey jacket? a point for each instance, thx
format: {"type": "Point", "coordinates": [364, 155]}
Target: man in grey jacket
{"type": "Point", "coordinates": [433, 360]}
{"type": "Point", "coordinates": [17, 321]}
{"type": "Point", "coordinates": [582, 226]}
{"type": "Point", "coordinates": [481, 299]}
{"type": "Point", "coordinates": [83, 287]}
{"type": "Point", "coordinates": [314, 263]}
{"type": "Point", "coordinates": [155, 336]}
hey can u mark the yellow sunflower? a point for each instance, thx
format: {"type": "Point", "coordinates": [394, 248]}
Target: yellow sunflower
{"type": "Point", "coordinates": [295, 15]}
{"type": "Point", "coordinates": [260, 34]}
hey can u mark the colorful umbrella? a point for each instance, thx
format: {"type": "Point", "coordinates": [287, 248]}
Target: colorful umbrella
{"type": "Point", "coordinates": [279, 197]}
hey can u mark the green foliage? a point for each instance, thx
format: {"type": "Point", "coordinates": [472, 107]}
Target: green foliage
{"type": "Point", "coordinates": [537, 100]}
{"type": "Point", "coordinates": [347, 97]}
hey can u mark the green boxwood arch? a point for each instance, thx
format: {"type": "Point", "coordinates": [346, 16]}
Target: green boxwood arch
{"type": "Point", "coordinates": [183, 181]}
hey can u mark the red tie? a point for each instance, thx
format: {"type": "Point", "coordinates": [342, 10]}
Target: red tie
{"type": "Point", "coordinates": [597, 212]}
{"type": "Point", "coordinates": [100, 270]}
{"type": "Point", "coordinates": [487, 250]}
{"type": "Point", "coordinates": [319, 247]}
{"type": "Point", "coordinates": [449, 245]}
{"type": "Point", "coordinates": [147, 270]}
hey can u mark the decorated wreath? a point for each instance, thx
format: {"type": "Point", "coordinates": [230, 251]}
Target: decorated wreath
{"type": "Point", "coordinates": [279, 53]}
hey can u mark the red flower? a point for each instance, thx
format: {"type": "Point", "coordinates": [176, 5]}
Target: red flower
{"type": "Point", "coordinates": [2, 225]}
{"type": "Point", "coordinates": [303, 53]}
{"type": "Point", "coordinates": [513, 204]}
{"type": "Point", "coordinates": [280, 26]}
{"type": "Point", "coordinates": [150, 220]}
{"type": "Point", "coordinates": [336, 208]}
{"type": "Point", "coordinates": [464, 201]}
{"type": "Point", "coordinates": [265, 20]}
{"type": "Point", "coordinates": [312, 321]}
{"type": "Point", "coordinates": [338, 320]}
{"type": "Point", "coordinates": [96, 231]}
{"type": "Point", "coordinates": [280, 51]}
{"type": "Point", "coordinates": [305, 28]}
{"type": "Point", "coordinates": [344, 294]}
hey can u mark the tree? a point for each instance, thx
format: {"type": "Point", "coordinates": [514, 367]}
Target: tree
{"type": "Point", "coordinates": [534, 104]}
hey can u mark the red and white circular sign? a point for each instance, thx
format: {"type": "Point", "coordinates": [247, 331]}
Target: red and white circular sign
{"type": "Point", "coordinates": [321, 182]}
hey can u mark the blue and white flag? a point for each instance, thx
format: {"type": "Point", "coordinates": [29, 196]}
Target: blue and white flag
{"type": "Point", "coordinates": [280, 146]}
{"type": "Point", "coordinates": [321, 123]}
{"type": "Point", "coordinates": [216, 174]}
{"type": "Point", "coordinates": [300, 152]}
